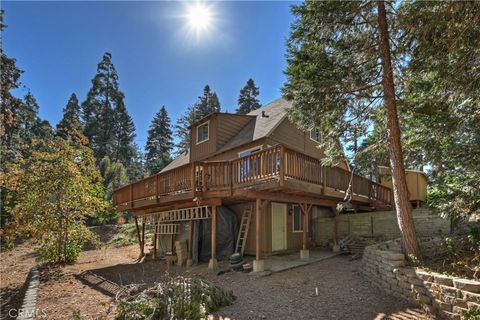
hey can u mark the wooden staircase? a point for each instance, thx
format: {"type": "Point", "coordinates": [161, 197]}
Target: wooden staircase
{"type": "Point", "coordinates": [243, 232]}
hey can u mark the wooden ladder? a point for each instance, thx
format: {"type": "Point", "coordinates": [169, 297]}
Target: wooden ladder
{"type": "Point", "coordinates": [243, 232]}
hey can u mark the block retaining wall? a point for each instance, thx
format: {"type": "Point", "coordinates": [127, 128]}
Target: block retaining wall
{"type": "Point", "coordinates": [444, 296]}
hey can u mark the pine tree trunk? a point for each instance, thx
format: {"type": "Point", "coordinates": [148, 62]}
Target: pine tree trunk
{"type": "Point", "coordinates": [400, 191]}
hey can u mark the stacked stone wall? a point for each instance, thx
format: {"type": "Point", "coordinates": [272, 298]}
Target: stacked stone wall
{"type": "Point", "coordinates": [442, 295]}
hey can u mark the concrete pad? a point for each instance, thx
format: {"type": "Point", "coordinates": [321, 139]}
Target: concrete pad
{"type": "Point", "coordinates": [277, 263]}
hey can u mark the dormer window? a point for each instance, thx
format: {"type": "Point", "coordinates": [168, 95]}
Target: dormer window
{"type": "Point", "coordinates": [203, 132]}
{"type": "Point", "coordinates": [316, 135]}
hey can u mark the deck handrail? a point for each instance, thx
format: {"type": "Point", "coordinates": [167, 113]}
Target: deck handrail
{"type": "Point", "coordinates": [277, 163]}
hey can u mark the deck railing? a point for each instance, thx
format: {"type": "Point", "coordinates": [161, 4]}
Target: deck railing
{"type": "Point", "coordinates": [272, 164]}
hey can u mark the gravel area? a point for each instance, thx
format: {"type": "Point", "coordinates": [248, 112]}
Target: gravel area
{"type": "Point", "coordinates": [87, 287]}
{"type": "Point", "coordinates": [342, 294]}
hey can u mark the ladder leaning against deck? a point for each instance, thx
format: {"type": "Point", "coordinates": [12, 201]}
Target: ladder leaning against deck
{"type": "Point", "coordinates": [243, 232]}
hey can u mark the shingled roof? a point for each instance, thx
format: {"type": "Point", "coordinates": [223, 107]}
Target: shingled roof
{"type": "Point", "coordinates": [266, 119]}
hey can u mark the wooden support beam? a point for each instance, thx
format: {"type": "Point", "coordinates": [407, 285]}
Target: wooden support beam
{"type": "Point", "coordinates": [282, 197]}
{"type": "Point", "coordinates": [190, 239]}
{"type": "Point", "coordinates": [155, 236]}
{"type": "Point", "coordinates": [306, 208]}
{"type": "Point", "coordinates": [188, 204]}
{"type": "Point", "coordinates": [214, 232]}
{"type": "Point", "coordinates": [335, 225]}
{"type": "Point", "coordinates": [143, 236]}
{"type": "Point", "coordinates": [140, 237]}
{"type": "Point", "coordinates": [258, 229]}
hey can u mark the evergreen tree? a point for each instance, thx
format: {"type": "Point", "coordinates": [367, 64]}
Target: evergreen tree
{"type": "Point", "coordinates": [71, 116]}
{"type": "Point", "coordinates": [29, 122]}
{"type": "Point", "coordinates": [247, 100]}
{"type": "Point", "coordinates": [159, 142]}
{"type": "Point", "coordinates": [208, 103]}
{"type": "Point", "coordinates": [124, 131]}
{"type": "Point", "coordinates": [442, 98]}
{"type": "Point", "coordinates": [339, 73]}
{"type": "Point", "coordinates": [9, 105]}
{"type": "Point", "coordinates": [107, 124]}
{"type": "Point", "coordinates": [114, 176]}
{"type": "Point", "coordinates": [205, 105]}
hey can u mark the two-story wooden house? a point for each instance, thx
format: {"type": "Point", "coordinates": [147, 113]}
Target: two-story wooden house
{"type": "Point", "coordinates": [259, 166]}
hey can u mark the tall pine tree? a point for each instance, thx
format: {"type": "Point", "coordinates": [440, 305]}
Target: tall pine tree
{"type": "Point", "coordinates": [71, 116]}
{"type": "Point", "coordinates": [247, 100]}
{"type": "Point", "coordinates": [30, 124]}
{"type": "Point", "coordinates": [108, 125]}
{"type": "Point", "coordinates": [124, 131]}
{"type": "Point", "coordinates": [340, 71]}
{"type": "Point", "coordinates": [206, 104]}
{"type": "Point", "coordinates": [9, 105]}
{"type": "Point", "coordinates": [159, 142]}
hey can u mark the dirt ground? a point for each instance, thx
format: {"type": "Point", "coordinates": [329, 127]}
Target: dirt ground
{"type": "Point", "coordinates": [88, 287]}
{"type": "Point", "coordinates": [14, 268]}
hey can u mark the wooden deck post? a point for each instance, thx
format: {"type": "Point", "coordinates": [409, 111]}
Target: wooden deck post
{"type": "Point", "coordinates": [155, 236]}
{"type": "Point", "coordinates": [190, 243]}
{"type": "Point", "coordinates": [140, 236]}
{"type": "Point", "coordinates": [258, 263]}
{"type": "Point", "coordinates": [306, 208]}
{"type": "Point", "coordinates": [336, 248]}
{"type": "Point", "coordinates": [213, 260]}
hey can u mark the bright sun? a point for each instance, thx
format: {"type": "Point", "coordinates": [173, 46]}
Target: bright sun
{"type": "Point", "coordinates": [199, 17]}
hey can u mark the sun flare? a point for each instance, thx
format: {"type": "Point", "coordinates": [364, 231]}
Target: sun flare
{"type": "Point", "coordinates": [199, 17]}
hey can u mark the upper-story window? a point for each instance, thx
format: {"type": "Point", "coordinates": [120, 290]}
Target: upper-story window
{"type": "Point", "coordinates": [203, 132]}
{"type": "Point", "coordinates": [316, 135]}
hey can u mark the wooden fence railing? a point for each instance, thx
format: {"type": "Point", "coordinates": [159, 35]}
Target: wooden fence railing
{"type": "Point", "coordinates": [275, 163]}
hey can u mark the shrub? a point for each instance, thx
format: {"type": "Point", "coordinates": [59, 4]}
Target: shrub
{"type": "Point", "coordinates": [179, 298]}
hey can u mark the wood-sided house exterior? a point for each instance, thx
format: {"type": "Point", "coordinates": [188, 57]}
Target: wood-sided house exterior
{"type": "Point", "coordinates": [259, 163]}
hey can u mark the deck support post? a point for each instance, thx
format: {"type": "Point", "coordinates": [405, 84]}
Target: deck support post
{"type": "Point", "coordinates": [212, 264]}
{"type": "Point", "coordinates": [155, 237]}
{"type": "Point", "coordinates": [190, 244]}
{"type": "Point", "coordinates": [336, 247]}
{"type": "Point", "coordinates": [306, 208]}
{"type": "Point", "coordinates": [141, 236]}
{"type": "Point", "coordinates": [258, 263]}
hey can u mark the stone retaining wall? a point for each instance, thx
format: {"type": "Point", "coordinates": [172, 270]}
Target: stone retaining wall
{"type": "Point", "coordinates": [445, 296]}
{"type": "Point", "coordinates": [379, 224]}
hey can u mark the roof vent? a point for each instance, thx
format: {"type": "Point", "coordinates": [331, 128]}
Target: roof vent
{"type": "Point", "coordinates": [264, 115]}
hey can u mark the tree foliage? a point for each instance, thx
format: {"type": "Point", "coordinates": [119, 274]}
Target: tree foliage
{"type": "Point", "coordinates": [159, 142]}
{"type": "Point", "coordinates": [435, 49]}
{"type": "Point", "coordinates": [108, 125]}
{"type": "Point", "coordinates": [340, 73]}
{"type": "Point", "coordinates": [206, 104]}
{"type": "Point", "coordinates": [247, 100]}
{"type": "Point", "coordinates": [71, 119]}
{"type": "Point", "coordinates": [57, 187]}
{"type": "Point", "coordinates": [442, 98]}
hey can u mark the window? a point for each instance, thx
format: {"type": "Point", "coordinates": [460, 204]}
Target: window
{"type": "Point", "coordinates": [203, 132]}
{"type": "Point", "coordinates": [297, 219]}
{"type": "Point", "coordinates": [249, 167]}
{"type": "Point", "coordinates": [249, 152]}
{"type": "Point", "coordinates": [316, 135]}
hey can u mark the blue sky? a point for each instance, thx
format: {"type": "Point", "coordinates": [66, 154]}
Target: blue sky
{"type": "Point", "coordinates": [58, 45]}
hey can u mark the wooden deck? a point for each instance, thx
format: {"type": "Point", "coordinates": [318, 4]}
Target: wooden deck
{"type": "Point", "coordinates": [277, 169]}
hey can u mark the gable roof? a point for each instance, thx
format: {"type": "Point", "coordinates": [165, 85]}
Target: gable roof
{"type": "Point", "coordinates": [180, 160]}
{"type": "Point", "coordinates": [260, 126]}
{"type": "Point", "coordinates": [264, 121]}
